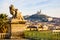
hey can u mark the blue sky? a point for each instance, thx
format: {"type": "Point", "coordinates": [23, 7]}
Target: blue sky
{"type": "Point", "coordinates": [29, 7]}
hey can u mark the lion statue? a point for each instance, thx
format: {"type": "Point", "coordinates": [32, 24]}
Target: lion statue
{"type": "Point", "coordinates": [15, 13]}
{"type": "Point", "coordinates": [12, 10]}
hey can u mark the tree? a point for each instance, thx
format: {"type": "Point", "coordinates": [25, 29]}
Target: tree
{"type": "Point", "coordinates": [3, 23]}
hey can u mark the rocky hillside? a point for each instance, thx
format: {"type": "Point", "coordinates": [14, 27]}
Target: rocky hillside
{"type": "Point", "coordinates": [37, 17]}
{"type": "Point", "coordinates": [41, 17]}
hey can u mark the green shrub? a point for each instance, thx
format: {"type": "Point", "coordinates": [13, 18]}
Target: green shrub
{"type": "Point", "coordinates": [42, 35]}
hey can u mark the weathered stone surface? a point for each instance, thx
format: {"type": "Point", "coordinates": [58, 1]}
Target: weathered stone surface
{"type": "Point", "coordinates": [16, 15]}
{"type": "Point", "coordinates": [17, 22]}
{"type": "Point", "coordinates": [17, 29]}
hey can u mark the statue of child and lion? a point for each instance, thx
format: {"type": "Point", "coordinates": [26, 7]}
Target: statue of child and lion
{"type": "Point", "coordinates": [16, 14]}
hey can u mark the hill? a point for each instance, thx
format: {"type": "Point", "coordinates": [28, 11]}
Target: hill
{"type": "Point", "coordinates": [37, 17]}
{"type": "Point", "coordinates": [42, 18]}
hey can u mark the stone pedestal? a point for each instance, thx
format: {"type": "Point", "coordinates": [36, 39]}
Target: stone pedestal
{"type": "Point", "coordinates": [17, 27]}
{"type": "Point", "coordinates": [17, 22]}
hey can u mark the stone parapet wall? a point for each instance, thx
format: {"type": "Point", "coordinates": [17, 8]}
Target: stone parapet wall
{"type": "Point", "coordinates": [4, 35]}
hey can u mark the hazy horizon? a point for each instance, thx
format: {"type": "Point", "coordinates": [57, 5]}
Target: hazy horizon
{"type": "Point", "coordinates": [29, 7]}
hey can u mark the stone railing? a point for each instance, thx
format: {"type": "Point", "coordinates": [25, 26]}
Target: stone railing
{"type": "Point", "coordinates": [4, 35]}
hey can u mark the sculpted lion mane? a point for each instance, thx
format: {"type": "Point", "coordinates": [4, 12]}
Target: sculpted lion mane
{"type": "Point", "coordinates": [15, 13]}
